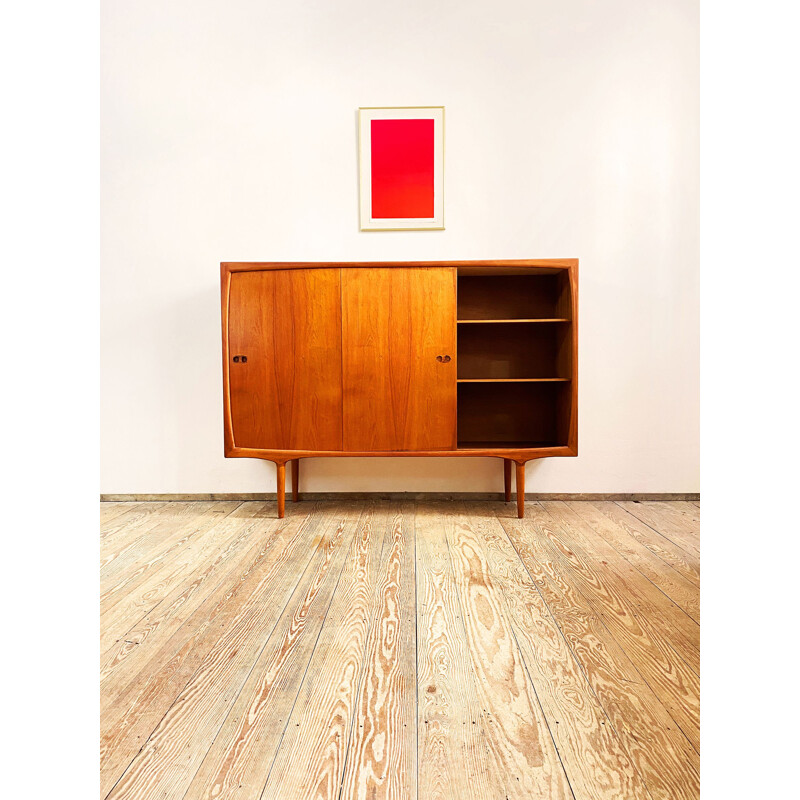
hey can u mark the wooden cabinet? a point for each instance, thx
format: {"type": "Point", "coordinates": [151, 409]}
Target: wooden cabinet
{"type": "Point", "coordinates": [409, 359]}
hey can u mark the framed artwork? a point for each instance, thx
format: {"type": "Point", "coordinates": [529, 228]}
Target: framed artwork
{"type": "Point", "coordinates": [401, 168]}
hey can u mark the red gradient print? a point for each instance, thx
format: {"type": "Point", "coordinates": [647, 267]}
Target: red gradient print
{"type": "Point", "coordinates": [402, 168]}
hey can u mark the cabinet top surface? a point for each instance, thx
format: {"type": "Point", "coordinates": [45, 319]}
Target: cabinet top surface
{"type": "Point", "coordinates": [465, 267]}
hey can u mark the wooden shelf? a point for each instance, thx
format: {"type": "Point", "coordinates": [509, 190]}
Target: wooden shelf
{"type": "Point", "coordinates": [510, 380]}
{"type": "Point", "coordinates": [494, 445]}
{"type": "Point", "coordinates": [496, 321]}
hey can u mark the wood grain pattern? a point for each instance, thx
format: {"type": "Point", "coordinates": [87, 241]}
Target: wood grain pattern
{"type": "Point", "coordinates": [317, 732]}
{"type": "Point", "coordinates": [642, 599]}
{"type": "Point", "coordinates": [168, 624]}
{"type": "Point", "coordinates": [683, 592]}
{"type": "Point", "coordinates": [120, 533]}
{"type": "Point", "coordinates": [138, 700]}
{"type": "Point", "coordinates": [688, 566]}
{"type": "Point", "coordinates": [398, 649]}
{"type": "Point", "coordinates": [169, 758]}
{"type": "Point", "coordinates": [454, 760]}
{"type": "Point", "coordinates": [121, 512]}
{"type": "Point", "coordinates": [518, 735]}
{"type": "Point", "coordinates": [397, 395]}
{"type": "Point", "coordinates": [141, 536]}
{"type": "Point", "coordinates": [674, 527]}
{"type": "Point", "coordinates": [674, 682]}
{"type": "Point", "coordinates": [381, 759]}
{"type": "Point", "coordinates": [132, 569]}
{"type": "Point", "coordinates": [138, 600]}
{"type": "Point", "coordinates": [589, 747]}
{"type": "Point", "coordinates": [188, 592]}
{"type": "Point", "coordinates": [160, 537]}
{"type": "Point", "coordinates": [663, 755]}
{"type": "Point", "coordinates": [288, 394]}
{"type": "Point", "coordinates": [682, 511]}
{"type": "Point", "coordinates": [687, 508]}
{"type": "Point", "coordinates": [110, 510]}
{"type": "Point", "coordinates": [245, 747]}
{"type": "Point", "coordinates": [517, 450]}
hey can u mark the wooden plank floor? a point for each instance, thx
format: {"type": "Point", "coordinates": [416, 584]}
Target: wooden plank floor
{"type": "Point", "coordinates": [400, 649]}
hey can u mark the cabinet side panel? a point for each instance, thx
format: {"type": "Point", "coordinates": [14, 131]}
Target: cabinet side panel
{"type": "Point", "coordinates": [396, 323]}
{"type": "Point", "coordinates": [567, 359]}
{"type": "Point", "coordinates": [288, 394]}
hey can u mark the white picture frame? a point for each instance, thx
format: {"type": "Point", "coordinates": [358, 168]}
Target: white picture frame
{"type": "Point", "coordinates": [365, 117]}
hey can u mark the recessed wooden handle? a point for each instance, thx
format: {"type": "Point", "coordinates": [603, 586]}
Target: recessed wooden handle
{"type": "Point", "coordinates": [237, 359]}
{"type": "Point", "coordinates": [443, 359]}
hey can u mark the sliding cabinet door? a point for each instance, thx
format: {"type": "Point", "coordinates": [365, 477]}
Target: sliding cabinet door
{"type": "Point", "coordinates": [398, 358]}
{"type": "Point", "coordinates": [285, 359]}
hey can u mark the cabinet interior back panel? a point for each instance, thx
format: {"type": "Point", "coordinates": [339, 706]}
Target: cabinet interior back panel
{"type": "Point", "coordinates": [502, 414]}
{"type": "Point", "coordinates": [510, 296]}
{"type": "Point", "coordinates": [512, 350]}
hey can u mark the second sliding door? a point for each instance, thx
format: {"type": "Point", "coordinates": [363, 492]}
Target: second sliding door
{"type": "Point", "coordinates": [399, 358]}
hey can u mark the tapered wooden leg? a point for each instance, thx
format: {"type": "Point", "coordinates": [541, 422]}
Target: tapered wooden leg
{"type": "Point", "coordinates": [295, 480]}
{"type": "Point", "coordinates": [281, 470]}
{"type": "Point", "coordinates": [507, 478]}
{"type": "Point", "coordinates": [521, 490]}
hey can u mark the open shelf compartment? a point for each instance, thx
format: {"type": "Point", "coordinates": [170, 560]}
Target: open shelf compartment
{"type": "Point", "coordinates": [504, 351]}
{"type": "Point", "coordinates": [515, 351]}
{"type": "Point", "coordinates": [513, 414]}
{"type": "Point", "coordinates": [531, 297]}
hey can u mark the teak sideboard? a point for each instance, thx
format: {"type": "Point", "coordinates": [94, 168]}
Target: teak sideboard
{"type": "Point", "coordinates": [456, 358]}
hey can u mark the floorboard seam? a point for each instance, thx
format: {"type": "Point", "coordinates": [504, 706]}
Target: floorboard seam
{"type": "Point", "coordinates": [310, 659]}
{"type": "Point", "coordinates": [524, 665]}
{"type": "Point", "coordinates": [680, 547]}
{"type": "Point", "coordinates": [577, 661]}
{"type": "Point", "coordinates": [541, 707]}
{"type": "Point", "coordinates": [357, 695]}
{"type": "Point", "coordinates": [180, 693]}
{"type": "Point", "coordinates": [250, 671]}
{"type": "Point", "coordinates": [667, 642]}
{"type": "Point", "coordinates": [644, 544]}
{"type": "Point", "coordinates": [611, 635]}
{"type": "Point", "coordinates": [416, 652]}
{"type": "Point", "coordinates": [451, 517]}
{"type": "Point", "coordinates": [628, 561]}
{"type": "Point", "coordinates": [151, 610]}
